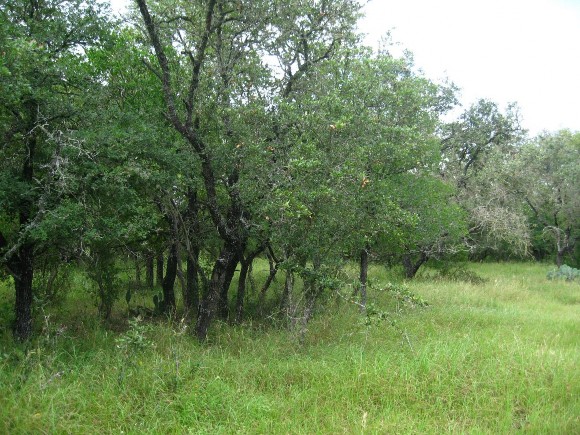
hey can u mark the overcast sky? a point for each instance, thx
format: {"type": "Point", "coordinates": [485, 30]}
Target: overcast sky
{"type": "Point", "coordinates": [527, 51]}
{"type": "Point", "coordinates": [524, 51]}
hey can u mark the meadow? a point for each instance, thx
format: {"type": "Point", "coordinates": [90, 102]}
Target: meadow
{"type": "Point", "coordinates": [493, 355]}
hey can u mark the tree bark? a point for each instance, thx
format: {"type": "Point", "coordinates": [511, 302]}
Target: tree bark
{"type": "Point", "coordinates": [160, 262]}
{"type": "Point", "coordinates": [287, 293]}
{"type": "Point", "coordinates": [169, 280]}
{"type": "Point", "coordinates": [273, 270]}
{"type": "Point", "coordinates": [245, 267]}
{"type": "Point", "coordinates": [242, 289]}
{"type": "Point", "coordinates": [410, 267]}
{"type": "Point", "coordinates": [224, 308]}
{"type": "Point", "coordinates": [559, 258]}
{"type": "Point", "coordinates": [192, 231]}
{"type": "Point", "coordinates": [228, 225]}
{"type": "Point", "coordinates": [23, 262]}
{"type": "Point", "coordinates": [208, 306]}
{"type": "Point", "coordinates": [149, 271]}
{"type": "Point", "coordinates": [181, 277]}
{"type": "Point", "coordinates": [563, 247]}
{"type": "Point", "coordinates": [312, 291]}
{"type": "Point", "coordinates": [23, 276]}
{"type": "Point", "coordinates": [191, 296]}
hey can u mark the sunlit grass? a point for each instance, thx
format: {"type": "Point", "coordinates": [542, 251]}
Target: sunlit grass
{"type": "Point", "coordinates": [495, 357]}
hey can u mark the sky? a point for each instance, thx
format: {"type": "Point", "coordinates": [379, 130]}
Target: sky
{"type": "Point", "coordinates": [523, 51]}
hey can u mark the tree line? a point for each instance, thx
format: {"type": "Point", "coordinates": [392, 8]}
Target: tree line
{"type": "Point", "coordinates": [199, 136]}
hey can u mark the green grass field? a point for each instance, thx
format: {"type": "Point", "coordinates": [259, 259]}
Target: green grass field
{"type": "Point", "coordinates": [495, 357]}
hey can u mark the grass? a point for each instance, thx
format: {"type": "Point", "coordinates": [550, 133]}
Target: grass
{"type": "Point", "coordinates": [496, 357]}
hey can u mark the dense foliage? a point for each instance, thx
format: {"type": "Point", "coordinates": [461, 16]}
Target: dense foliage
{"type": "Point", "coordinates": [199, 136]}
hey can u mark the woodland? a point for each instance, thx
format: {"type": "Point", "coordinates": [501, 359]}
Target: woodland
{"type": "Point", "coordinates": [167, 152]}
{"type": "Point", "coordinates": [231, 216]}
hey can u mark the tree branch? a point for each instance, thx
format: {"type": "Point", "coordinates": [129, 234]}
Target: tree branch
{"type": "Point", "coordinates": [163, 64]}
{"type": "Point", "coordinates": [198, 61]}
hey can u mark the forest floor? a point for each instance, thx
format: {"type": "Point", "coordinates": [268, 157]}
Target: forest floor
{"type": "Point", "coordinates": [496, 355]}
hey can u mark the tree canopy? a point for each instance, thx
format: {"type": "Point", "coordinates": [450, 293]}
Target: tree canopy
{"type": "Point", "coordinates": [213, 133]}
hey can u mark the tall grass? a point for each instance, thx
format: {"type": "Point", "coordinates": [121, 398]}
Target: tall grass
{"type": "Point", "coordinates": [495, 357]}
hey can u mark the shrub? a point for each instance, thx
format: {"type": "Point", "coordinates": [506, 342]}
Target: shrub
{"type": "Point", "coordinates": [454, 272]}
{"type": "Point", "coordinates": [564, 272]}
{"type": "Point", "coordinates": [405, 296]}
{"type": "Point", "coordinates": [136, 337]}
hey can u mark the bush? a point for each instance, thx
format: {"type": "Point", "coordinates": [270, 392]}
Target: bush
{"type": "Point", "coordinates": [135, 338]}
{"type": "Point", "coordinates": [405, 296]}
{"type": "Point", "coordinates": [564, 272]}
{"type": "Point", "coordinates": [52, 282]}
{"type": "Point", "coordinates": [453, 272]}
{"type": "Point", "coordinates": [105, 274]}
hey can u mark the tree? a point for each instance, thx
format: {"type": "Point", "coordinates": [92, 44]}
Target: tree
{"type": "Point", "coordinates": [478, 150]}
{"type": "Point", "coordinates": [389, 132]}
{"type": "Point", "coordinates": [439, 223]}
{"type": "Point", "coordinates": [216, 89]}
{"type": "Point", "coordinates": [550, 169]}
{"type": "Point", "coordinates": [42, 73]}
{"type": "Point", "coordinates": [134, 182]}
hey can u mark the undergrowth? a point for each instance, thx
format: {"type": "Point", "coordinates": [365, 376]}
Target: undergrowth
{"type": "Point", "coordinates": [458, 272]}
{"type": "Point", "coordinates": [438, 356]}
{"type": "Point", "coordinates": [564, 272]}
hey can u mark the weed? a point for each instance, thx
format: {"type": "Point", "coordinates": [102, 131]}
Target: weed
{"type": "Point", "coordinates": [135, 338]}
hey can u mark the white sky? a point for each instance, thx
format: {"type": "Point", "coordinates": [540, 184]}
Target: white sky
{"type": "Point", "coordinates": [527, 51]}
{"type": "Point", "coordinates": [524, 51]}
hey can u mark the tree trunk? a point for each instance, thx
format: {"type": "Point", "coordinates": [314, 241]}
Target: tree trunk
{"type": "Point", "coordinates": [228, 225]}
{"type": "Point", "coordinates": [181, 278]}
{"type": "Point", "coordinates": [245, 267]}
{"type": "Point", "coordinates": [563, 247]}
{"type": "Point", "coordinates": [149, 271]}
{"type": "Point", "coordinates": [24, 273]}
{"type": "Point", "coordinates": [192, 227]}
{"type": "Point", "coordinates": [560, 257]}
{"type": "Point", "coordinates": [410, 267]}
{"type": "Point", "coordinates": [191, 296]}
{"type": "Point", "coordinates": [287, 293]}
{"type": "Point", "coordinates": [169, 280]}
{"type": "Point", "coordinates": [269, 280]}
{"type": "Point", "coordinates": [137, 271]}
{"type": "Point", "coordinates": [312, 291]}
{"type": "Point", "coordinates": [251, 279]}
{"type": "Point", "coordinates": [224, 307]}
{"type": "Point", "coordinates": [364, 267]}
{"type": "Point", "coordinates": [308, 311]}
{"type": "Point", "coordinates": [219, 275]}
{"type": "Point", "coordinates": [159, 261]}
{"type": "Point", "coordinates": [245, 264]}
{"type": "Point", "coordinates": [23, 262]}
